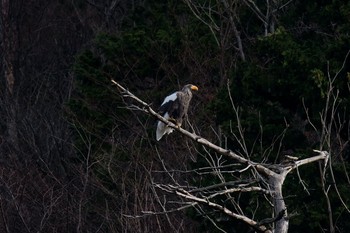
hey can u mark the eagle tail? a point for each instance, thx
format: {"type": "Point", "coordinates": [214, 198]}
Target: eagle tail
{"type": "Point", "coordinates": [163, 129]}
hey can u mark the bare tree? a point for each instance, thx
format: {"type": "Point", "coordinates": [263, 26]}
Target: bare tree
{"type": "Point", "coordinates": [99, 15]}
{"type": "Point", "coordinates": [225, 21]}
{"type": "Point", "coordinates": [35, 138]}
{"type": "Point", "coordinates": [261, 178]}
{"type": "Point", "coordinates": [9, 51]}
{"type": "Point", "coordinates": [221, 18]}
{"type": "Point", "coordinates": [267, 12]}
{"type": "Point", "coordinates": [331, 122]}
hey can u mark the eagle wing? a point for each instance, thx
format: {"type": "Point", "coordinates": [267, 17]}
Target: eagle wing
{"type": "Point", "coordinates": [166, 110]}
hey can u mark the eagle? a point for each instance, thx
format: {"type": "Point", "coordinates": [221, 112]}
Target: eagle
{"type": "Point", "coordinates": [174, 108]}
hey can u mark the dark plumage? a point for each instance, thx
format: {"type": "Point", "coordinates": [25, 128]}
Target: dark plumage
{"type": "Point", "coordinates": [174, 108]}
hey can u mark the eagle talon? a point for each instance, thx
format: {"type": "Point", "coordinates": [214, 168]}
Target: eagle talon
{"type": "Point", "coordinates": [172, 120]}
{"type": "Point", "coordinates": [175, 122]}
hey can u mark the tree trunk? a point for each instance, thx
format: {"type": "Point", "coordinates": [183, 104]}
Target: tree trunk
{"type": "Point", "coordinates": [235, 30]}
{"type": "Point", "coordinates": [276, 183]}
{"type": "Point", "coordinates": [9, 42]}
{"type": "Point", "coordinates": [9, 46]}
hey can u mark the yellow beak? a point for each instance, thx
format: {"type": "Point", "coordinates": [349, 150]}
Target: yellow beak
{"type": "Point", "coordinates": [194, 88]}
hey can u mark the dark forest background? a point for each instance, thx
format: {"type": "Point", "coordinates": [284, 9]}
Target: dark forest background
{"type": "Point", "coordinates": [73, 158]}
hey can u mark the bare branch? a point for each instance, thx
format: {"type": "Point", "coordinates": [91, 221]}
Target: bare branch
{"type": "Point", "coordinates": [232, 190]}
{"type": "Point", "coordinates": [323, 155]}
{"type": "Point", "coordinates": [206, 202]}
{"type": "Point", "coordinates": [193, 136]}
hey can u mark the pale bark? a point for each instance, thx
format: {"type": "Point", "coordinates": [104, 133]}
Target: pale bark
{"type": "Point", "coordinates": [276, 175]}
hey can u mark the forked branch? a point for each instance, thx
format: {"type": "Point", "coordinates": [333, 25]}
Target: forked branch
{"type": "Point", "coordinates": [272, 176]}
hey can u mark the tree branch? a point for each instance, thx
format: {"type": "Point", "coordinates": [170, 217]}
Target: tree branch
{"type": "Point", "coordinates": [323, 155]}
{"type": "Point", "coordinates": [194, 136]}
{"type": "Point", "coordinates": [252, 223]}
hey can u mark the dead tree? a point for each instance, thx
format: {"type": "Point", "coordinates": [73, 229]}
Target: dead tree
{"type": "Point", "coordinates": [267, 179]}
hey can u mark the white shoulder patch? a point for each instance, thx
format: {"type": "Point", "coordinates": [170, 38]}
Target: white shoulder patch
{"type": "Point", "coordinates": [171, 97]}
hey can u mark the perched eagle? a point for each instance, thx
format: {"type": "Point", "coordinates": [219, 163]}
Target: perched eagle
{"type": "Point", "coordinates": [174, 108]}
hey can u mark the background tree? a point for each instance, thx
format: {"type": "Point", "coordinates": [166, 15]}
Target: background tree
{"type": "Point", "coordinates": [44, 187]}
